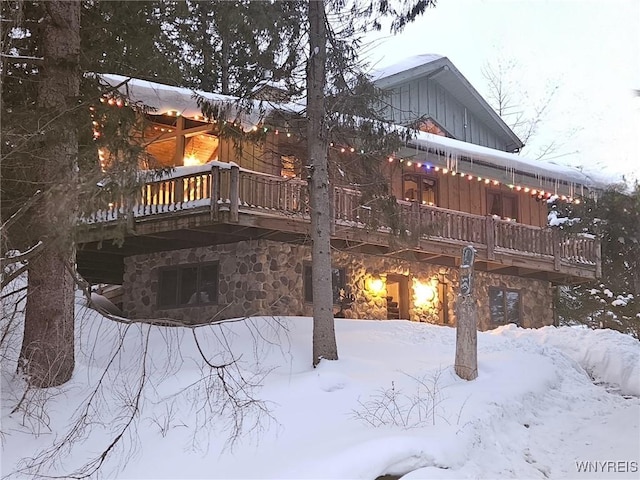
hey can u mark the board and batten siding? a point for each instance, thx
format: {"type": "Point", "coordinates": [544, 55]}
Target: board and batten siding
{"type": "Point", "coordinates": [459, 193]}
{"type": "Point", "coordinates": [425, 97]}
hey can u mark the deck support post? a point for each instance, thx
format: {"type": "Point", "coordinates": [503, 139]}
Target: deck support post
{"type": "Point", "coordinates": [215, 193]}
{"type": "Point", "coordinates": [598, 259]}
{"type": "Point", "coordinates": [556, 249]}
{"type": "Point", "coordinates": [234, 195]}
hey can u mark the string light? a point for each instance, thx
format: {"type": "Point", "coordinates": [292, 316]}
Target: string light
{"type": "Point", "coordinates": [343, 149]}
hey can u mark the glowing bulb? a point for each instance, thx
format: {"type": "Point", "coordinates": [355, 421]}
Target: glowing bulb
{"type": "Point", "coordinates": [376, 285]}
{"type": "Point", "coordinates": [424, 293]}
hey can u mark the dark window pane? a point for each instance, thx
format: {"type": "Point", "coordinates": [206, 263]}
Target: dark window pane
{"type": "Point", "coordinates": [509, 207]}
{"type": "Point", "coordinates": [513, 306]}
{"type": "Point", "coordinates": [168, 288]}
{"type": "Point", "coordinates": [188, 285]}
{"type": "Point", "coordinates": [495, 206]}
{"type": "Point", "coordinates": [337, 284]}
{"type": "Point", "coordinates": [208, 284]}
{"type": "Point", "coordinates": [496, 305]}
{"type": "Point", "coordinates": [308, 284]}
{"type": "Point", "coordinates": [428, 191]}
{"type": "Point", "coordinates": [411, 188]}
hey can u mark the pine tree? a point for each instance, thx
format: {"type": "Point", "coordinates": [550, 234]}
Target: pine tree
{"type": "Point", "coordinates": [232, 46]}
{"type": "Point", "coordinates": [612, 301]}
{"type": "Point", "coordinates": [47, 355]}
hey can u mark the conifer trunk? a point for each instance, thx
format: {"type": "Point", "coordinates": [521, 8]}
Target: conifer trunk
{"type": "Point", "coordinates": [47, 354]}
{"type": "Point", "coordinates": [324, 338]}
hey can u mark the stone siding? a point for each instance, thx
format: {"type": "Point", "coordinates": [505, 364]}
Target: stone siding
{"type": "Point", "coordinates": [261, 277]}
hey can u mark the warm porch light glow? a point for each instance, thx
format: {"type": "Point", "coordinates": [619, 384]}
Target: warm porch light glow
{"type": "Point", "coordinates": [424, 293]}
{"type": "Point", "coordinates": [375, 285]}
{"type": "Point", "coordinates": [190, 161]}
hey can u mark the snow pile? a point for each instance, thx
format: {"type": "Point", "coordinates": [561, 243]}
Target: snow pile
{"type": "Point", "coordinates": [391, 405]}
{"type": "Point", "coordinates": [606, 355]}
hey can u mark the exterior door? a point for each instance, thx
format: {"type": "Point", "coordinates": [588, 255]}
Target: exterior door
{"type": "Point", "coordinates": [397, 297]}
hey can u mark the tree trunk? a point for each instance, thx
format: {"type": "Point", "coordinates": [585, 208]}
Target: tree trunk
{"type": "Point", "coordinates": [47, 354]}
{"type": "Point", "coordinates": [224, 67]}
{"type": "Point", "coordinates": [324, 337]}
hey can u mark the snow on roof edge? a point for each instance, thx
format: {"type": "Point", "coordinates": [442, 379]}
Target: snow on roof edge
{"type": "Point", "coordinates": [404, 65]}
{"type": "Point", "coordinates": [500, 159]}
{"type": "Point", "coordinates": [164, 98]}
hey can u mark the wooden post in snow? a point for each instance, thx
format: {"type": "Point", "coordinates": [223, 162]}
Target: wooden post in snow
{"type": "Point", "coordinates": [466, 365]}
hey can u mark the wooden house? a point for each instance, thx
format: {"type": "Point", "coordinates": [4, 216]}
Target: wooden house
{"type": "Point", "coordinates": [225, 234]}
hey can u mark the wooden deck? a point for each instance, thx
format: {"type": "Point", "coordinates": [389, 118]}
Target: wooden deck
{"type": "Point", "coordinates": [225, 204]}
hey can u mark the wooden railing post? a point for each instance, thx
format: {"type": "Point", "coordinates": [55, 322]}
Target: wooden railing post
{"type": "Point", "coordinates": [234, 195]}
{"type": "Point", "coordinates": [598, 259]}
{"type": "Point", "coordinates": [557, 249]}
{"type": "Point", "coordinates": [490, 226]}
{"type": "Point", "coordinates": [332, 210]}
{"type": "Point", "coordinates": [215, 193]}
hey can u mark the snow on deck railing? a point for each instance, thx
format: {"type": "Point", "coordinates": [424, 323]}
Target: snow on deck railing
{"type": "Point", "coordinates": [212, 187]}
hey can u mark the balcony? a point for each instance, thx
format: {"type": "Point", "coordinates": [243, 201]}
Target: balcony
{"type": "Point", "coordinates": [223, 203]}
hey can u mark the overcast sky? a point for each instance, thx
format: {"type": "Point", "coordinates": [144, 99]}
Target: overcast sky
{"type": "Point", "coordinates": [590, 50]}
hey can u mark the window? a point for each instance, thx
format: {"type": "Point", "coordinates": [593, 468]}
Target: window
{"type": "Point", "coordinates": [430, 126]}
{"type": "Point", "coordinates": [338, 284]}
{"type": "Point", "coordinates": [504, 305]}
{"type": "Point", "coordinates": [503, 205]}
{"type": "Point", "coordinates": [289, 167]}
{"type": "Point", "coordinates": [419, 188]}
{"type": "Point", "coordinates": [188, 285]}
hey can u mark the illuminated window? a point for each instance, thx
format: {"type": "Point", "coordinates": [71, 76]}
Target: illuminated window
{"type": "Point", "coordinates": [430, 126]}
{"type": "Point", "coordinates": [419, 188]}
{"type": "Point", "coordinates": [289, 166]}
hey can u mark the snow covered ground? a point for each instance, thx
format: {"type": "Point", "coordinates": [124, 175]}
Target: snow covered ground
{"type": "Point", "coordinates": [548, 403]}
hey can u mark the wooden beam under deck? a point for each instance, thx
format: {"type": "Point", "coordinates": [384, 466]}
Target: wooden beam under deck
{"type": "Point", "coordinates": [195, 228]}
{"type": "Point", "coordinates": [233, 206]}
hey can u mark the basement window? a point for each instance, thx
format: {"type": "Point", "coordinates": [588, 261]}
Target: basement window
{"type": "Point", "coordinates": [504, 306]}
{"type": "Point", "coordinates": [338, 284]}
{"type": "Point", "coordinates": [188, 285]}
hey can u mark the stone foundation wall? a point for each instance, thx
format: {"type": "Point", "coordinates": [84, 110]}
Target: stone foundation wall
{"type": "Point", "coordinates": [261, 277]}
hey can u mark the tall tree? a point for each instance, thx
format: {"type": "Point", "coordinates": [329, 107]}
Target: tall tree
{"type": "Point", "coordinates": [131, 39]}
{"type": "Point", "coordinates": [324, 338]}
{"type": "Point", "coordinates": [231, 46]}
{"type": "Point", "coordinates": [333, 52]}
{"type": "Point", "coordinates": [47, 356]}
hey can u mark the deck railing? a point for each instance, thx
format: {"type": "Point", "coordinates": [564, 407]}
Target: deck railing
{"type": "Point", "coordinates": [227, 188]}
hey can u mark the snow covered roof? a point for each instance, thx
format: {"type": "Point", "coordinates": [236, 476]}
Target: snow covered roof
{"type": "Point", "coordinates": [469, 158]}
{"type": "Point", "coordinates": [165, 98]}
{"type": "Point", "coordinates": [405, 65]}
{"type": "Point", "coordinates": [440, 69]}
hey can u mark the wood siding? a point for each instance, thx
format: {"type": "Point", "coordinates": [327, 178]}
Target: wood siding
{"type": "Point", "coordinates": [470, 196]}
{"type": "Point", "coordinates": [425, 97]}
